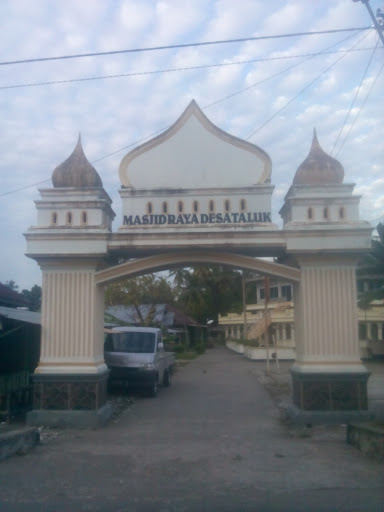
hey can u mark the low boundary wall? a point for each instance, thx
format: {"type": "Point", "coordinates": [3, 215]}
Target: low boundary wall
{"type": "Point", "coordinates": [260, 353]}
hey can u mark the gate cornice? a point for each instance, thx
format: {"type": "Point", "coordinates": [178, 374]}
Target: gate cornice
{"type": "Point", "coordinates": [171, 260]}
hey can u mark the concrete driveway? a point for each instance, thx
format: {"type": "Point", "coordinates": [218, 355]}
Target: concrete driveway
{"type": "Point", "coordinates": [211, 442]}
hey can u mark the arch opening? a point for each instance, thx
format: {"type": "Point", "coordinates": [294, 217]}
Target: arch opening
{"type": "Point", "coordinates": [171, 260]}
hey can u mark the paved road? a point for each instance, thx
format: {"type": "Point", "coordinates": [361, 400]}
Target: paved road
{"type": "Point", "coordinates": [211, 442]}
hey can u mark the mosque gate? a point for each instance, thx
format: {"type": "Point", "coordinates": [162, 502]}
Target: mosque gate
{"type": "Point", "coordinates": [196, 194]}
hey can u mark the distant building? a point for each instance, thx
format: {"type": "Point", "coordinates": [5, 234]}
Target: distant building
{"type": "Point", "coordinates": [280, 308]}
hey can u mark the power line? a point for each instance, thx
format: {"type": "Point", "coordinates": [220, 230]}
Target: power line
{"type": "Point", "coordinates": [214, 103]}
{"type": "Point", "coordinates": [173, 70]}
{"type": "Point", "coordinates": [355, 97]}
{"type": "Point", "coordinates": [23, 188]}
{"type": "Point", "coordinates": [183, 45]}
{"type": "Point", "coordinates": [283, 71]}
{"type": "Point", "coordinates": [360, 109]}
{"type": "Point", "coordinates": [303, 90]}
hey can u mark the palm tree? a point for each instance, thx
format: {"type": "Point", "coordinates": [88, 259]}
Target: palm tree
{"type": "Point", "coordinates": [180, 279]}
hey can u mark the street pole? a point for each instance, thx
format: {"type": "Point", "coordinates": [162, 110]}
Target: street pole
{"type": "Point", "coordinates": [379, 27]}
{"type": "Point", "coordinates": [243, 280]}
{"type": "Point", "coordinates": [266, 333]}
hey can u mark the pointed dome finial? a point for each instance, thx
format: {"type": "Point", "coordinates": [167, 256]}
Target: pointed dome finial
{"type": "Point", "coordinates": [318, 168]}
{"type": "Point", "coordinates": [76, 171]}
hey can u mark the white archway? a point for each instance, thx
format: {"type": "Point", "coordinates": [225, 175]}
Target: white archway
{"type": "Point", "coordinates": [171, 260]}
{"type": "Point", "coordinates": [196, 195]}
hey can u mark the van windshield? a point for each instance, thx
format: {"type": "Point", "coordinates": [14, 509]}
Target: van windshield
{"type": "Point", "coordinates": [132, 342]}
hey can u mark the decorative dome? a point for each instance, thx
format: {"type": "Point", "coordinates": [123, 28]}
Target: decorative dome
{"type": "Point", "coordinates": [319, 168]}
{"type": "Point", "coordinates": [76, 171]}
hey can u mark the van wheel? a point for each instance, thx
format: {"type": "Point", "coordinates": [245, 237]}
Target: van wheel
{"type": "Point", "coordinates": [167, 379]}
{"type": "Point", "coordinates": [153, 389]}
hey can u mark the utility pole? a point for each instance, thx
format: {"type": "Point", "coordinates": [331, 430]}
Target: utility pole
{"type": "Point", "coordinates": [245, 327]}
{"type": "Point", "coordinates": [266, 333]}
{"type": "Point", "coordinates": [378, 20]}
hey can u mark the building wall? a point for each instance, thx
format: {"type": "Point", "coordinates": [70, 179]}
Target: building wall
{"type": "Point", "coordinates": [371, 322]}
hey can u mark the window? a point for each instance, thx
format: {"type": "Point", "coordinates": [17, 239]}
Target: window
{"type": "Point", "coordinates": [243, 205]}
{"type": "Point", "coordinates": [227, 205]}
{"type": "Point", "coordinates": [211, 206]}
{"type": "Point", "coordinates": [149, 208]}
{"type": "Point", "coordinates": [69, 218]}
{"type": "Point", "coordinates": [180, 206]}
{"type": "Point", "coordinates": [310, 213]}
{"type": "Point", "coordinates": [195, 206]}
{"type": "Point", "coordinates": [164, 207]}
{"type": "Point", "coordinates": [362, 331]}
{"type": "Point", "coordinates": [360, 286]}
{"type": "Point", "coordinates": [374, 332]}
{"type": "Point", "coordinates": [325, 213]}
{"type": "Point", "coordinates": [84, 218]}
{"type": "Point", "coordinates": [274, 292]}
{"type": "Point", "coordinates": [288, 332]}
{"type": "Point", "coordinates": [54, 218]}
{"type": "Point", "coordinates": [286, 292]}
{"type": "Point", "coordinates": [341, 212]}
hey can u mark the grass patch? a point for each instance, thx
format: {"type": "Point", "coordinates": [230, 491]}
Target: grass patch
{"type": "Point", "coordinates": [185, 355]}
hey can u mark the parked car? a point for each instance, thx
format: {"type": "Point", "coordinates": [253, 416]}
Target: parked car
{"type": "Point", "coordinates": [136, 356]}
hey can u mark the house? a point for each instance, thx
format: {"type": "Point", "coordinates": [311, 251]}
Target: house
{"type": "Point", "coordinates": [12, 299]}
{"type": "Point", "coordinates": [178, 325]}
{"type": "Point", "coordinates": [19, 356]}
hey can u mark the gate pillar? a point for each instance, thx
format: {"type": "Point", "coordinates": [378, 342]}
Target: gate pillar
{"type": "Point", "coordinates": [329, 381]}
{"type": "Point", "coordinates": [325, 238]}
{"type": "Point", "coordinates": [70, 245]}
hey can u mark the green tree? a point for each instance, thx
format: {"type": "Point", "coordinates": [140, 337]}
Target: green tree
{"type": "Point", "coordinates": [12, 285]}
{"type": "Point", "coordinates": [148, 290]}
{"type": "Point", "coordinates": [372, 267]}
{"type": "Point", "coordinates": [210, 291]}
{"type": "Point", "coordinates": [34, 297]}
{"type": "Point", "coordinates": [180, 278]}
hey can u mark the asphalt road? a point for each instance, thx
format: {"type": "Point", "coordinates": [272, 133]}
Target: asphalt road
{"type": "Point", "coordinates": [211, 442]}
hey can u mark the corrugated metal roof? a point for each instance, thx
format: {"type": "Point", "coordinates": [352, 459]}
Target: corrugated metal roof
{"type": "Point", "coordinates": [29, 317]}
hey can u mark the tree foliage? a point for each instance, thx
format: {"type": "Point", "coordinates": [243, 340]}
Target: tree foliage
{"type": "Point", "coordinates": [372, 266]}
{"type": "Point", "coordinates": [149, 289]}
{"type": "Point", "coordinates": [208, 291]}
{"type": "Point", "coordinates": [12, 285]}
{"type": "Point", "coordinates": [33, 296]}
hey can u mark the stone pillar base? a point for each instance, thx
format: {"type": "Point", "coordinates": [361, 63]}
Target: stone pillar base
{"type": "Point", "coordinates": [69, 400]}
{"type": "Point", "coordinates": [338, 397]}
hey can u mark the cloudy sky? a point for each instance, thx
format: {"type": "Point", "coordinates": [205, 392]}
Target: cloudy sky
{"type": "Point", "coordinates": [271, 92]}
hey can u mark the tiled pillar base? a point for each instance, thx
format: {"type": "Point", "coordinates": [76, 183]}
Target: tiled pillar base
{"type": "Point", "coordinates": [69, 400]}
{"type": "Point", "coordinates": [329, 397]}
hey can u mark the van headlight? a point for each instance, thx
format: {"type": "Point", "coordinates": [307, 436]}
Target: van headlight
{"type": "Point", "coordinates": [147, 366]}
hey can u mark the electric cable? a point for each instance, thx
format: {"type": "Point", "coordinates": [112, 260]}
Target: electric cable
{"type": "Point", "coordinates": [301, 91]}
{"type": "Point", "coordinates": [173, 70]}
{"type": "Point", "coordinates": [280, 72]}
{"type": "Point", "coordinates": [360, 109]}
{"type": "Point", "coordinates": [182, 45]}
{"type": "Point", "coordinates": [206, 106]}
{"type": "Point", "coordinates": [355, 97]}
